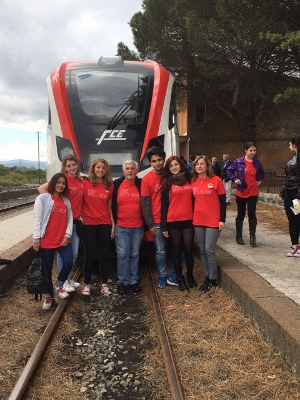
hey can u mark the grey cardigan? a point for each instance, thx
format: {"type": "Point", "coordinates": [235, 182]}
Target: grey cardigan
{"type": "Point", "coordinates": [41, 213]}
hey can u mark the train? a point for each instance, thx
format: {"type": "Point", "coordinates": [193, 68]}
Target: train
{"type": "Point", "coordinates": [110, 108]}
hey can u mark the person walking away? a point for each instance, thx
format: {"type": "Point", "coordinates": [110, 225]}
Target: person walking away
{"type": "Point", "coordinates": [190, 164]}
{"type": "Point", "coordinates": [225, 179]}
{"type": "Point", "coordinates": [129, 231]}
{"type": "Point", "coordinates": [52, 230]}
{"type": "Point", "coordinates": [98, 224]}
{"type": "Point", "coordinates": [216, 167]}
{"type": "Point", "coordinates": [247, 173]}
{"type": "Point", "coordinates": [208, 217]}
{"type": "Point", "coordinates": [291, 192]}
{"type": "Point", "coordinates": [70, 168]}
{"type": "Point", "coordinates": [177, 215]}
{"type": "Point", "coordinates": [151, 208]}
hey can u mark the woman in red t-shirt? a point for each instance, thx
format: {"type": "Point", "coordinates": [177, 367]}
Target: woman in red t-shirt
{"type": "Point", "coordinates": [176, 216]}
{"type": "Point", "coordinates": [98, 224]}
{"type": "Point", "coordinates": [70, 168]}
{"type": "Point", "coordinates": [209, 216]}
{"type": "Point", "coordinates": [52, 230]}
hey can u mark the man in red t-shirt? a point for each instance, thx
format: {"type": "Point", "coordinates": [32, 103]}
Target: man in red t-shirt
{"type": "Point", "coordinates": [151, 207]}
{"type": "Point", "coordinates": [129, 231]}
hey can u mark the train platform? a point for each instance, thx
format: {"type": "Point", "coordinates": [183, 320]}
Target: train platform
{"type": "Point", "coordinates": [263, 281]}
{"type": "Point", "coordinates": [265, 285]}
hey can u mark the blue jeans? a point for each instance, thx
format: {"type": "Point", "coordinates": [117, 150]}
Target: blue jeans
{"type": "Point", "coordinates": [75, 246]}
{"type": "Point", "coordinates": [160, 245]}
{"type": "Point", "coordinates": [128, 241]}
{"type": "Point", "coordinates": [207, 239]}
{"type": "Point", "coordinates": [65, 252]}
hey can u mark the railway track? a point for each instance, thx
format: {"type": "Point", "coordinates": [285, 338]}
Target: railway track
{"type": "Point", "coordinates": [41, 347]}
{"type": "Point", "coordinates": [16, 207]}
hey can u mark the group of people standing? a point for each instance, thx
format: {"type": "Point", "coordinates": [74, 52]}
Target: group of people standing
{"type": "Point", "coordinates": [171, 201]}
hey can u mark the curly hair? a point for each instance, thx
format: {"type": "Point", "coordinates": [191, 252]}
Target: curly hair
{"type": "Point", "coordinates": [69, 157]}
{"type": "Point", "coordinates": [209, 171]}
{"type": "Point", "coordinates": [53, 182]}
{"type": "Point", "coordinates": [107, 178]}
{"type": "Point", "coordinates": [166, 179]}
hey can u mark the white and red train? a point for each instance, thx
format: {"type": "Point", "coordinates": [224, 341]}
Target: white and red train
{"type": "Point", "coordinates": [112, 109]}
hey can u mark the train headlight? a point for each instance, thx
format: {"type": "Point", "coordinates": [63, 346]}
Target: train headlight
{"type": "Point", "coordinates": [64, 147]}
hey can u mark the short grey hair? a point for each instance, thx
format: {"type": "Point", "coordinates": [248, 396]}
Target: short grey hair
{"type": "Point", "coordinates": [130, 162]}
{"type": "Point", "coordinates": [226, 155]}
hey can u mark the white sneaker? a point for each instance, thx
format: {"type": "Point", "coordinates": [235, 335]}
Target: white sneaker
{"type": "Point", "coordinates": [68, 288]}
{"type": "Point", "coordinates": [293, 252]}
{"type": "Point", "coordinates": [73, 283]}
{"type": "Point", "coordinates": [61, 293]}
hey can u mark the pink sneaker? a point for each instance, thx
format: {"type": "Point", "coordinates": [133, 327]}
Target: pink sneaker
{"type": "Point", "coordinates": [61, 293]}
{"type": "Point", "coordinates": [292, 252]}
{"type": "Point", "coordinates": [86, 290]}
{"type": "Point", "coordinates": [105, 290]}
{"type": "Point", "coordinates": [47, 303]}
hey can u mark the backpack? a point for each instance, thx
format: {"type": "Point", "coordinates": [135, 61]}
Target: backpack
{"type": "Point", "coordinates": [38, 281]}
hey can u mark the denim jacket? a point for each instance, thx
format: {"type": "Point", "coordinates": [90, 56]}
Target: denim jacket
{"type": "Point", "coordinates": [237, 171]}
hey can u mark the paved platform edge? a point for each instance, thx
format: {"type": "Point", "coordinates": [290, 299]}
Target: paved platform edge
{"type": "Point", "coordinates": [271, 312]}
{"type": "Point", "coordinates": [21, 255]}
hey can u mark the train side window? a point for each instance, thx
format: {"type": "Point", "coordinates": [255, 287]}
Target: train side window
{"type": "Point", "coordinates": [200, 113]}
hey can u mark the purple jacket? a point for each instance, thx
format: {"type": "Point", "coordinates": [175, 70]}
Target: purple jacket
{"type": "Point", "coordinates": [237, 171]}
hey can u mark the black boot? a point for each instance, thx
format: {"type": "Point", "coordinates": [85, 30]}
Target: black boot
{"type": "Point", "coordinates": [203, 287]}
{"type": "Point", "coordinates": [252, 231]}
{"type": "Point", "coordinates": [239, 231]}
{"type": "Point", "coordinates": [191, 280]}
{"type": "Point", "coordinates": [181, 284]}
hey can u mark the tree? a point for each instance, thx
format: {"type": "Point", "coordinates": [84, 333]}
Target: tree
{"type": "Point", "coordinates": [126, 53]}
{"type": "Point", "coordinates": [223, 44]}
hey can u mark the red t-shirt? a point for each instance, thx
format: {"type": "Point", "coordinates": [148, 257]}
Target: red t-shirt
{"type": "Point", "coordinates": [57, 225]}
{"type": "Point", "coordinates": [151, 188]}
{"type": "Point", "coordinates": [207, 204]}
{"type": "Point", "coordinates": [95, 209]}
{"type": "Point", "coordinates": [250, 178]}
{"type": "Point", "coordinates": [75, 195]}
{"type": "Point", "coordinates": [181, 207]}
{"type": "Point", "coordinates": [129, 206]}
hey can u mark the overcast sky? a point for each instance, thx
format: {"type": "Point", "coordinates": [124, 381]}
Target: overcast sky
{"type": "Point", "coordinates": [35, 38]}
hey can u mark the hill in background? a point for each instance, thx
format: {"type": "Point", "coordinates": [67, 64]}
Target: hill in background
{"type": "Point", "coordinates": [23, 163]}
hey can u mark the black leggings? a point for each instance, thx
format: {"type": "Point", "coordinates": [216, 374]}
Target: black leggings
{"type": "Point", "coordinates": [182, 237]}
{"type": "Point", "coordinates": [96, 240]}
{"type": "Point", "coordinates": [294, 220]}
{"type": "Point", "coordinates": [241, 207]}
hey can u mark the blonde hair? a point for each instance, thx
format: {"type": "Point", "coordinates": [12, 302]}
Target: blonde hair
{"type": "Point", "coordinates": [209, 171]}
{"type": "Point", "coordinates": [107, 178]}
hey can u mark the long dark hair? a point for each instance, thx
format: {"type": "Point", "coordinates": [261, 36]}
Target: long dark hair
{"type": "Point", "coordinates": [53, 181]}
{"type": "Point", "coordinates": [166, 179]}
{"type": "Point", "coordinates": [247, 145]}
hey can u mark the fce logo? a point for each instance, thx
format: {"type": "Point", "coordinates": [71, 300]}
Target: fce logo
{"type": "Point", "coordinates": [111, 135]}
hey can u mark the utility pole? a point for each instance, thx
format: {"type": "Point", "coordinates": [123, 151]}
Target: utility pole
{"type": "Point", "coordinates": [38, 138]}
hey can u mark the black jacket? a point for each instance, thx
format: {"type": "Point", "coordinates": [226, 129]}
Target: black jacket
{"type": "Point", "coordinates": [292, 177]}
{"type": "Point", "coordinates": [217, 170]}
{"type": "Point", "coordinates": [224, 176]}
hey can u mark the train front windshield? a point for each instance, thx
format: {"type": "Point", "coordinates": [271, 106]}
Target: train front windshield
{"type": "Point", "coordinates": [109, 111]}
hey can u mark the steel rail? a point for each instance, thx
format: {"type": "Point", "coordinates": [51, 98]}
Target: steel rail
{"type": "Point", "coordinates": [173, 379]}
{"type": "Point", "coordinates": [40, 348]}
{"type": "Point", "coordinates": [15, 207]}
